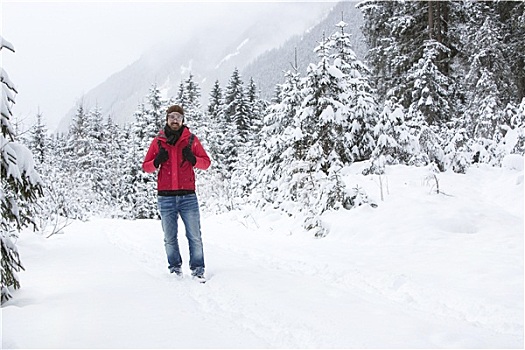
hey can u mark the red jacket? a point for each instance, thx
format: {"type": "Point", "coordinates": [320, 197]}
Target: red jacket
{"type": "Point", "coordinates": [176, 173]}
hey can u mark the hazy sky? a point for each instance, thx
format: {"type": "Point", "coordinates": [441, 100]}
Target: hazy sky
{"type": "Point", "coordinates": [63, 49]}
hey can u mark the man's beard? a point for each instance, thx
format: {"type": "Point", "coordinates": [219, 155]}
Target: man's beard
{"type": "Point", "coordinates": [175, 126]}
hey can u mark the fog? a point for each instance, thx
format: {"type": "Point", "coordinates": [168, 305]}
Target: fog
{"type": "Point", "coordinates": [63, 49]}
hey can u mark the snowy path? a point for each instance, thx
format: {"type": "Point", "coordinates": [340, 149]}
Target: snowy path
{"type": "Point", "coordinates": [111, 290]}
{"type": "Point", "coordinates": [451, 278]}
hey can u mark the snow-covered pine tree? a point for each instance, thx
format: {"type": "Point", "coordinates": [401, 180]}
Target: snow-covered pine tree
{"type": "Point", "coordinates": [130, 187]}
{"type": "Point", "coordinates": [150, 118]}
{"type": "Point", "coordinates": [517, 123]}
{"type": "Point", "coordinates": [192, 93]}
{"type": "Point", "coordinates": [60, 203]}
{"type": "Point", "coordinates": [213, 184]}
{"type": "Point", "coordinates": [323, 113]}
{"type": "Point", "coordinates": [97, 175]}
{"type": "Point", "coordinates": [334, 195]}
{"type": "Point", "coordinates": [237, 110]}
{"type": "Point", "coordinates": [278, 135]}
{"type": "Point", "coordinates": [395, 143]}
{"type": "Point", "coordinates": [361, 102]}
{"type": "Point", "coordinates": [156, 111]}
{"type": "Point", "coordinates": [192, 106]}
{"type": "Point", "coordinates": [512, 19]}
{"type": "Point", "coordinates": [512, 134]}
{"type": "Point", "coordinates": [75, 163]}
{"type": "Point", "coordinates": [320, 141]}
{"type": "Point", "coordinates": [458, 156]}
{"type": "Point", "coordinates": [243, 175]}
{"type": "Point", "coordinates": [113, 151]}
{"type": "Point", "coordinates": [144, 129]}
{"type": "Point", "coordinates": [257, 107]}
{"type": "Point", "coordinates": [387, 146]}
{"type": "Point", "coordinates": [484, 81]}
{"type": "Point", "coordinates": [51, 208]}
{"type": "Point", "coordinates": [39, 142]}
{"type": "Point", "coordinates": [238, 140]}
{"type": "Point", "coordinates": [180, 99]}
{"type": "Point", "coordinates": [217, 131]}
{"type": "Point", "coordinates": [380, 36]}
{"type": "Point", "coordinates": [21, 186]}
{"type": "Point", "coordinates": [489, 83]}
{"type": "Point", "coordinates": [276, 97]}
{"type": "Point", "coordinates": [431, 95]}
{"type": "Point", "coordinates": [200, 123]}
{"type": "Point", "coordinates": [395, 31]}
{"type": "Point", "coordinates": [430, 108]}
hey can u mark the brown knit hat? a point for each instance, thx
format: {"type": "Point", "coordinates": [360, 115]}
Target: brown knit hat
{"type": "Point", "coordinates": [175, 108]}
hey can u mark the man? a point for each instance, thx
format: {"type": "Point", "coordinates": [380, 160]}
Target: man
{"type": "Point", "coordinates": [175, 152]}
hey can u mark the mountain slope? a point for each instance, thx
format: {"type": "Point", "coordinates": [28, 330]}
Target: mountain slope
{"type": "Point", "coordinates": [212, 53]}
{"type": "Point", "coordinates": [267, 69]}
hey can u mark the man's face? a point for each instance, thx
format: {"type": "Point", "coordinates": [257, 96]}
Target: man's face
{"type": "Point", "coordinates": [175, 120]}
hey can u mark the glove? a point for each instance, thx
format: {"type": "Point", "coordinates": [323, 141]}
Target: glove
{"type": "Point", "coordinates": [161, 157]}
{"type": "Point", "coordinates": [188, 155]}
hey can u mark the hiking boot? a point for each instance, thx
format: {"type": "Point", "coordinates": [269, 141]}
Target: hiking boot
{"type": "Point", "coordinates": [199, 278]}
{"type": "Point", "coordinates": [177, 271]}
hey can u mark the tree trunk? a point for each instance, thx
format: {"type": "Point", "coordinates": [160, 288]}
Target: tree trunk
{"type": "Point", "coordinates": [430, 20]}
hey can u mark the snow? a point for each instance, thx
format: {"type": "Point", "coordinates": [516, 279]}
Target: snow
{"type": "Point", "coordinates": [327, 115]}
{"type": "Point", "coordinates": [513, 162]}
{"type": "Point", "coordinates": [233, 54]}
{"type": "Point", "coordinates": [335, 72]}
{"type": "Point", "coordinates": [422, 270]}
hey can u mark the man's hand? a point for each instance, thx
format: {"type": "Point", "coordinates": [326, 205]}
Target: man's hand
{"type": "Point", "coordinates": [188, 155]}
{"type": "Point", "coordinates": [161, 157]}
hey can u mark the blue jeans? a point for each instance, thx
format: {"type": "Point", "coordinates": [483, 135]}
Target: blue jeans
{"type": "Point", "coordinates": [188, 207]}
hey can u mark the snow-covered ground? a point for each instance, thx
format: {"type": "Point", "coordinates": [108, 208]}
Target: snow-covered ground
{"type": "Point", "coordinates": [422, 270]}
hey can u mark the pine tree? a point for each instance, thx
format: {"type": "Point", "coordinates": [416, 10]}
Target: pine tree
{"type": "Point", "coordinates": [115, 148]}
{"type": "Point", "coordinates": [237, 120]}
{"type": "Point", "coordinates": [42, 146]}
{"type": "Point", "coordinates": [219, 128]}
{"type": "Point", "coordinates": [458, 156]}
{"type": "Point", "coordinates": [180, 99]}
{"type": "Point", "coordinates": [39, 142]}
{"type": "Point", "coordinates": [395, 143]}
{"type": "Point", "coordinates": [278, 137]}
{"type": "Point", "coordinates": [237, 109]}
{"type": "Point", "coordinates": [248, 124]}
{"type": "Point", "coordinates": [21, 186]}
{"type": "Point", "coordinates": [214, 184]}
{"type": "Point", "coordinates": [130, 186]}
{"type": "Point", "coordinates": [97, 175]}
{"type": "Point", "coordinates": [430, 87]}
{"type": "Point", "coordinates": [148, 122]}
{"type": "Point", "coordinates": [395, 32]}
{"type": "Point", "coordinates": [512, 18]}
{"type": "Point", "coordinates": [319, 148]}
{"type": "Point", "coordinates": [77, 163]}
{"type": "Point", "coordinates": [379, 35]}
{"type": "Point", "coordinates": [323, 115]}
{"type": "Point", "coordinates": [357, 89]}
{"type": "Point", "coordinates": [156, 112]}
{"type": "Point", "coordinates": [257, 108]}
{"type": "Point", "coordinates": [488, 81]}
{"type": "Point", "coordinates": [192, 106]}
